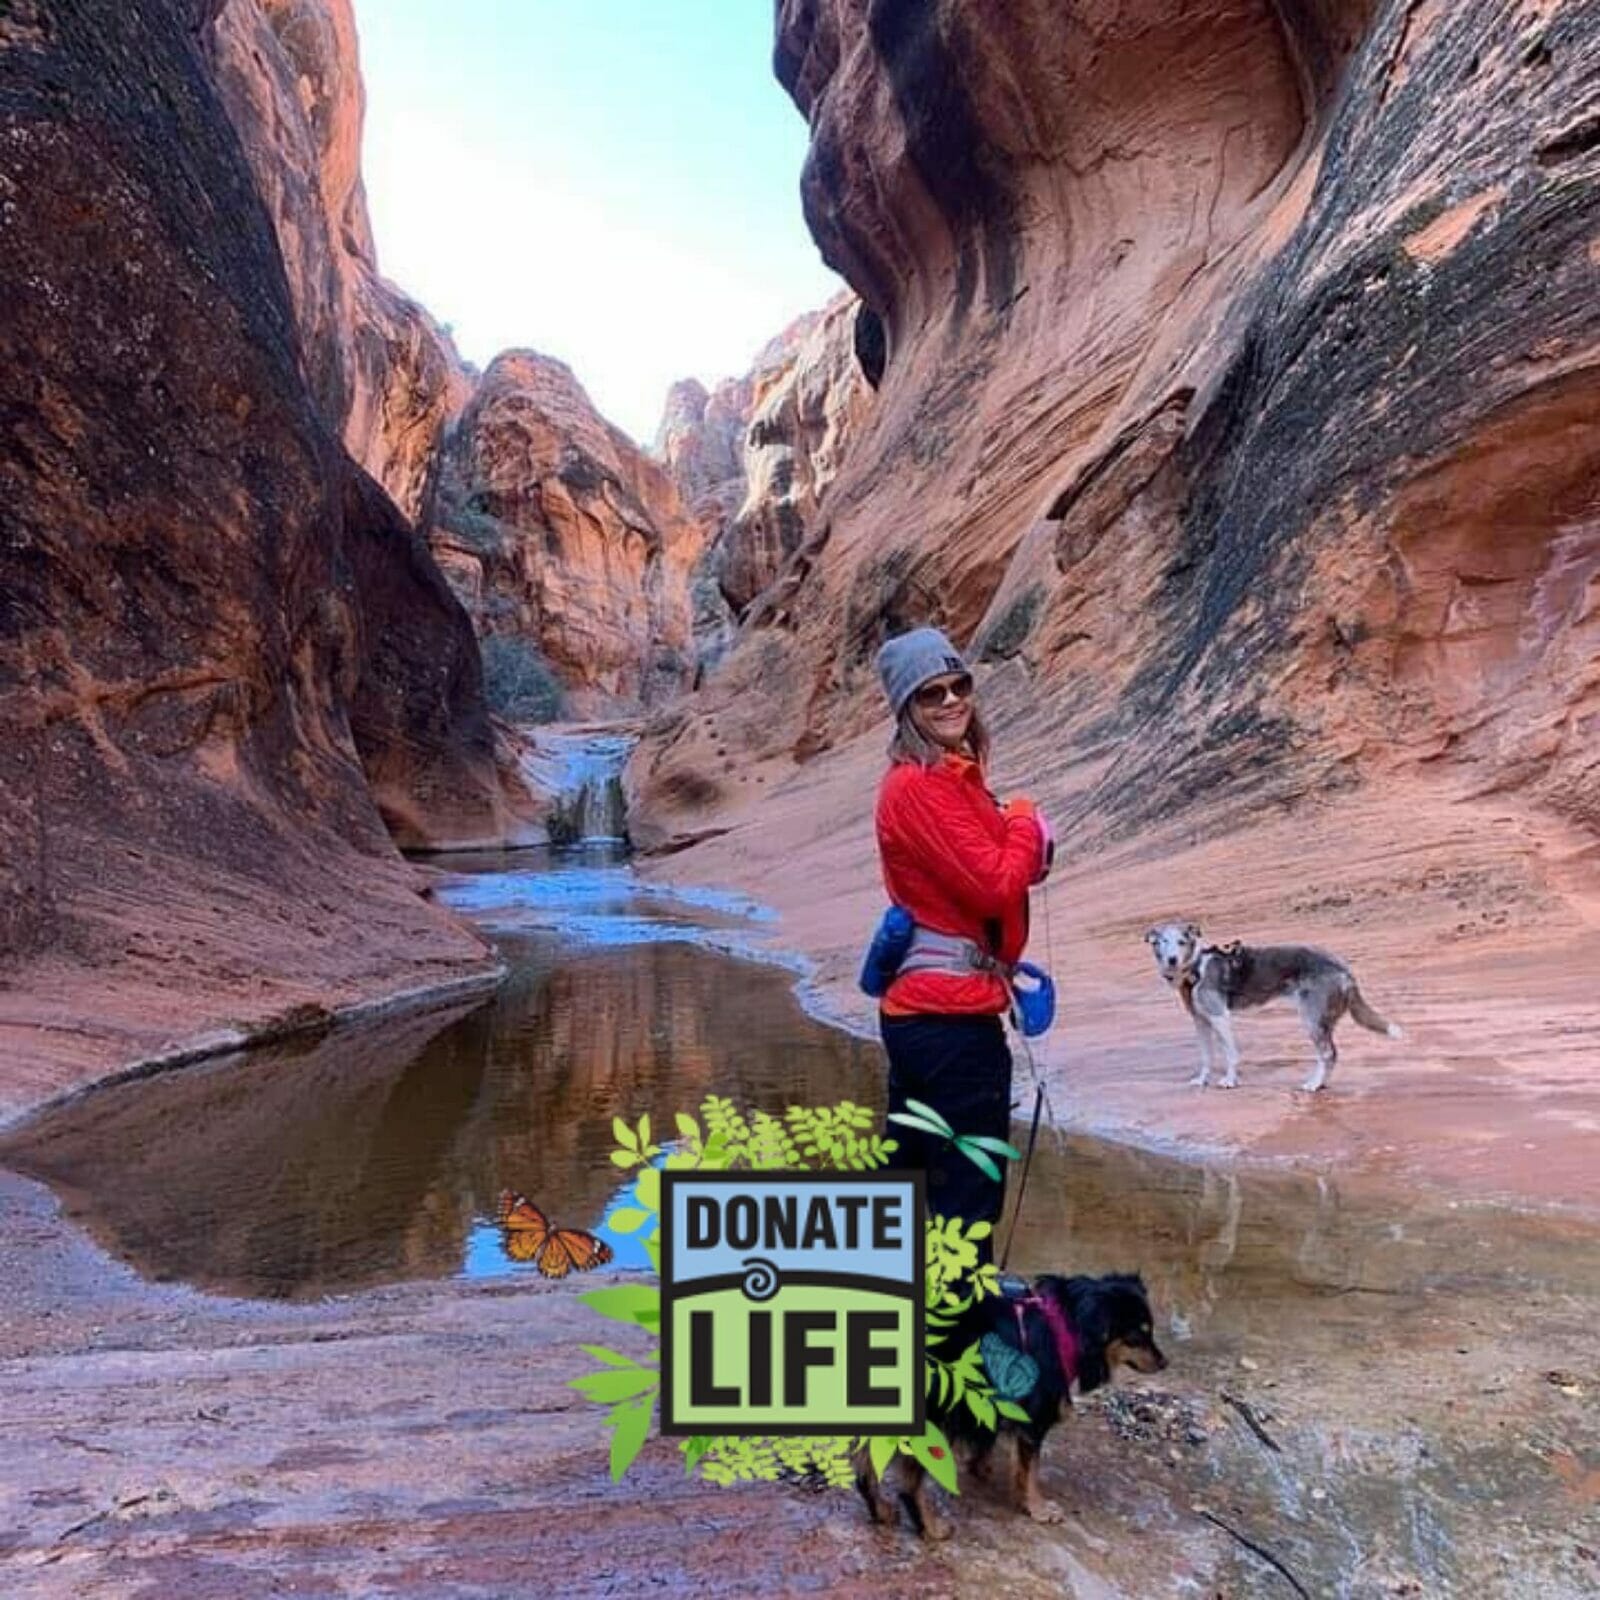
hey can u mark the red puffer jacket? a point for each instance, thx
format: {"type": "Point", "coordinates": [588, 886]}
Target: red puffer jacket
{"type": "Point", "coordinates": [959, 864]}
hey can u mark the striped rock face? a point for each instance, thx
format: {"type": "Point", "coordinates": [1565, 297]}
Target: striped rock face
{"type": "Point", "coordinates": [1236, 382]}
{"type": "Point", "coordinates": [1236, 412]}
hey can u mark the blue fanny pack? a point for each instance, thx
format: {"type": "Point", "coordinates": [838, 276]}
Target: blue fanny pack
{"type": "Point", "coordinates": [1033, 992]}
{"type": "Point", "coordinates": [887, 951]}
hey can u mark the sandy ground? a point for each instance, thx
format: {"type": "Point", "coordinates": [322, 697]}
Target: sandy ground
{"type": "Point", "coordinates": [1426, 1431]}
{"type": "Point", "coordinates": [1472, 925]}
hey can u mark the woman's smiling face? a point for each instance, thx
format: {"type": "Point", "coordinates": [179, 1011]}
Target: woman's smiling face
{"type": "Point", "coordinates": [942, 708]}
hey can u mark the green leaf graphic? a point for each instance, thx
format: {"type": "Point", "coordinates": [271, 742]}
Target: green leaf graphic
{"type": "Point", "coordinates": [933, 1116]}
{"type": "Point", "coordinates": [632, 1426]}
{"type": "Point", "coordinates": [606, 1387]}
{"type": "Point", "coordinates": [612, 1358]}
{"type": "Point", "coordinates": [999, 1146]}
{"type": "Point", "coordinates": [629, 1302]}
{"type": "Point", "coordinates": [933, 1451]}
{"type": "Point", "coordinates": [982, 1162]}
{"type": "Point", "coordinates": [917, 1122]}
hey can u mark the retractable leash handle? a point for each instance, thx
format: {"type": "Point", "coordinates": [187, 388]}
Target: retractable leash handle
{"type": "Point", "coordinates": [1033, 1003]}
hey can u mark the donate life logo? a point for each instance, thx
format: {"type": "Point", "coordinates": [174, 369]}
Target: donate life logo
{"type": "Point", "coordinates": [791, 1303]}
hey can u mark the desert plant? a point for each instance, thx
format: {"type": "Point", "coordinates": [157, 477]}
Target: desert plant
{"type": "Point", "coordinates": [518, 682]}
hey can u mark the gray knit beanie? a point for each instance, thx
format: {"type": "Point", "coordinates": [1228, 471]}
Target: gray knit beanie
{"type": "Point", "coordinates": [906, 663]}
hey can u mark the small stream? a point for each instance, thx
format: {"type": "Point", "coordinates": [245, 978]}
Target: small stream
{"type": "Point", "coordinates": [372, 1155]}
{"type": "Point", "coordinates": [375, 1155]}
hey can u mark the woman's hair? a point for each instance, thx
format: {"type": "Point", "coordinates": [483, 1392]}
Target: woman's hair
{"type": "Point", "coordinates": [911, 744]}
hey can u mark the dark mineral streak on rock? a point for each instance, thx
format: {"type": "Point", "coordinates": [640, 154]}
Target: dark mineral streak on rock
{"type": "Point", "coordinates": [871, 344]}
{"type": "Point", "coordinates": [418, 714]}
{"type": "Point", "coordinates": [948, 147]}
{"type": "Point", "coordinates": [1358, 239]}
{"type": "Point", "coordinates": [1357, 364]}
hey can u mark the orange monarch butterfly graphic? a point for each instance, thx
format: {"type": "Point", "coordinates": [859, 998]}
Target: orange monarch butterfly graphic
{"type": "Point", "coordinates": [529, 1236]}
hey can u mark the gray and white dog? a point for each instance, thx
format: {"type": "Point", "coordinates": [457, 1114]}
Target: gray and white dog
{"type": "Point", "coordinates": [1215, 981]}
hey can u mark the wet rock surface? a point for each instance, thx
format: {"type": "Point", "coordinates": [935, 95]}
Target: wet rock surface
{"type": "Point", "coordinates": [1374, 1392]}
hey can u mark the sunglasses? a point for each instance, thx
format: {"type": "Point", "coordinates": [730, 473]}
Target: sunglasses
{"type": "Point", "coordinates": [932, 695]}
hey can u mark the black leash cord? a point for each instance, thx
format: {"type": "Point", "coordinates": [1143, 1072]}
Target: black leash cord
{"type": "Point", "coordinates": [1027, 1163]}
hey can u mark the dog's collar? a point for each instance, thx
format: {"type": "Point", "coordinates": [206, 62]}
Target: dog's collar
{"type": "Point", "coordinates": [1185, 983]}
{"type": "Point", "coordinates": [1065, 1340]}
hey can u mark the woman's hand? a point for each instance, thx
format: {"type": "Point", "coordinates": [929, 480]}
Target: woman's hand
{"type": "Point", "coordinates": [1021, 806]}
{"type": "Point", "coordinates": [1048, 840]}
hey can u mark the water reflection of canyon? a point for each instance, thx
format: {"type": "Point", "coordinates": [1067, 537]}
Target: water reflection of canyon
{"type": "Point", "coordinates": [376, 1155]}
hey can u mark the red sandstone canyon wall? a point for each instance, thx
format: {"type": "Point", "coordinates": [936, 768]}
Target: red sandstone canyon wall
{"type": "Point", "coordinates": [209, 617]}
{"type": "Point", "coordinates": [384, 373]}
{"type": "Point", "coordinates": [592, 576]}
{"type": "Point", "coordinates": [555, 528]}
{"type": "Point", "coordinates": [752, 458]}
{"type": "Point", "coordinates": [1238, 397]}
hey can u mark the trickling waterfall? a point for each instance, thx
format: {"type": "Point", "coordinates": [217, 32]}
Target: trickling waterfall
{"type": "Point", "coordinates": [581, 771]}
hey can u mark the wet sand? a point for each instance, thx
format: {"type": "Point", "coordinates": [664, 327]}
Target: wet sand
{"type": "Point", "coordinates": [1474, 926]}
{"type": "Point", "coordinates": [1386, 1390]}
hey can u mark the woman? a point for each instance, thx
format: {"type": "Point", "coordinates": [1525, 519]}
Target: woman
{"type": "Point", "coordinates": [961, 864]}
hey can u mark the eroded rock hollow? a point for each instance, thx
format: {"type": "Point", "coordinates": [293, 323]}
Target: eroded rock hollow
{"type": "Point", "coordinates": [1238, 397]}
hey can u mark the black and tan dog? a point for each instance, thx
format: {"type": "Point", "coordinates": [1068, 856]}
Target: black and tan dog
{"type": "Point", "coordinates": [1076, 1331]}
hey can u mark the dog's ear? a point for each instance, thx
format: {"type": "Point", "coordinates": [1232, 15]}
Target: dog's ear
{"type": "Point", "coordinates": [1192, 929]}
{"type": "Point", "coordinates": [1151, 935]}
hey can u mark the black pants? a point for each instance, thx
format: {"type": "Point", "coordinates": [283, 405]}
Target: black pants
{"type": "Point", "coordinates": [961, 1066]}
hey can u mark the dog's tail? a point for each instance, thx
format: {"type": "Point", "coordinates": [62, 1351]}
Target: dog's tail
{"type": "Point", "coordinates": [1368, 1018]}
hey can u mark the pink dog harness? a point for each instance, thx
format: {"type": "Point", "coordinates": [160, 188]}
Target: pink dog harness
{"type": "Point", "coordinates": [1066, 1341]}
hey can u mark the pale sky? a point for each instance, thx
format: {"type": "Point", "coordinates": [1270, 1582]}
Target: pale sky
{"type": "Point", "coordinates": [613, 182]}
